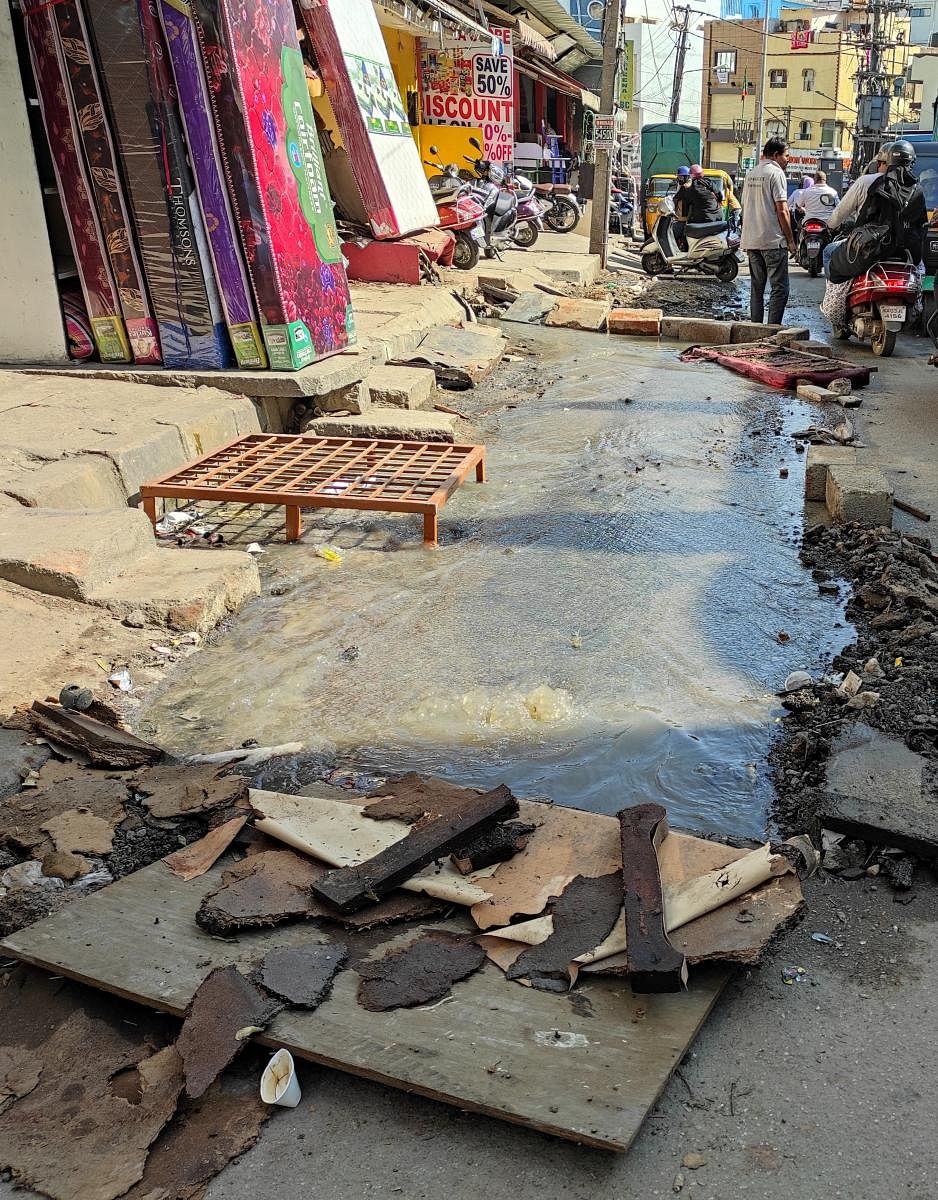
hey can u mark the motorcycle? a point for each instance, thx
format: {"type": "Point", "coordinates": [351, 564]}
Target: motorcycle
{"type": "Point", "coordinates": [621, 212]}
{"type": "Point", "coordinates": [459, 213]}
{"type": "Point", "coordinates": [531, 209]}
{"type": "Point", "coordinates": [563, 207]}
{"type": "Point", "coordinates": [707, 251]}
{"type": "Point", "coordinates": [878, 304]}
{"type": "Point", "coordinates": [813, 238]}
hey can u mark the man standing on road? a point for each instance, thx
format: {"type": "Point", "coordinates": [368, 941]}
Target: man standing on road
{"type": "Point", "coordinates": [767, 233]}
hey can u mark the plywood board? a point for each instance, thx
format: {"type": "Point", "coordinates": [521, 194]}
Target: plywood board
{"type": "Point", "coordinates": [495, 1047]}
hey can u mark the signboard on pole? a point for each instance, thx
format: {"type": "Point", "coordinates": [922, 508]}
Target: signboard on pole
{"type": "Point", "coordinates": [465, 83]}
{"type": "Point", "coordinates": [604, 132]}
{"type": "Point", "coordinates": [627, 75]}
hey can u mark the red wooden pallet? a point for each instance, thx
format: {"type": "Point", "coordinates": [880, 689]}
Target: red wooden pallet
{"type": "Point", "coordinates": [325, 472]}
{"type": "Point", "coordinates": [781, 366]}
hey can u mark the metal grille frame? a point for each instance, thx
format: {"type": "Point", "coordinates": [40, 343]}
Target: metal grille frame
{"type": "Point", "coordinates": [302, 471]}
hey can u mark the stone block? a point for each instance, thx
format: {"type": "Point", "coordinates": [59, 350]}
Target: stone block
{"type": "Point", "coordinates": [186, 589]}
{"type": "Point", "coordinates": [401, 387]}
{"type": "Point", "coordinates": [401, 424]}
{"type": "Point", "coordinates": [88, 481]}
{"type": "Point", "coordinates": [530, 308]}
{"type": "Point", "coordinates": [817, 395]}
{"type": "Point", "coordinates": [877, 789]}
{"type": "Point", "coordinates": [751, 331]}
{"type": "Point", "coordinates": [578, 269]}
{"type": "Point", "coordinates": [643, 321]}
{"type": "Point", "coordinates": [861, 494]}
{"type": "Point", "coordinates": [699, 331]}
{"type": "Point", "coordinates": [471, 351]}
{"type": "Point", "coordinates": [70, 553]}
{"type": "Point", "coordinates": [571, 313]}
{"type": "Point", "coordinates": [355, 398]}
{"type": "Point", "coordinates": [820, 348]}
{"type": "Point", "coordinates": [207, 419]}
{"type": "Point", "coordinates": [819, 458]}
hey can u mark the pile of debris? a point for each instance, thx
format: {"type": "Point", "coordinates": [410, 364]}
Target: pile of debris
{"type": "Point", "coordinates": [876, 710]}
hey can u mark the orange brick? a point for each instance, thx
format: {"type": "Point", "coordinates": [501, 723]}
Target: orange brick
{"type": "Point", "coordinates": [645, 321]}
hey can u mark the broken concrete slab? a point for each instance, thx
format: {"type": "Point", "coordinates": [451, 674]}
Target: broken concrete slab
{"type": "Point", "coordinates": [875, 790]}
{"type": "Point", "coordinates": [217, 1025]}
{"type": "Point", "coordinates": [818, 460]}
{"type": "Point", "coordinates": [88, 481]}
{"type": "Point", "coordinates": [401, 387]}
{"type": "Point", "coordinates": [64, 864]}
{"type": "Point", "coordinates": [80, 832]}
{"type": "Point", "coordinates": [356, 398]}
{"type": "Point", "coordinates": [20, 1071]}
{"type": "Point", "coordinates": [302, 976]}
{"type": "Point", "coordinates": [530, 308]}
{"type": "Point", "coordinates": [23, 816]}
{"type": "Point", "coordinates": [583, 915]}
{"type": "Point", "coordinates": [70, 553]}
{"type": "Point", "coordinates": [75, 1136]}
{"type": "Point", "coordinates": [205, 1137]}
{"type": "Point", "coordinates": [180, 791]}
{"type": "Point", "coordinates": [105, 745]}
{"type": "Point", "coordinates": [423, 971]}
{"type": "Point", "coordinates": [697, 330]}
{"type": "Point", "coordinates": [643, 322]}
{"type": "Point", "coordinates": [399, 424]}
{"type": "Point", "coordinates": [859, 494]}
{"type": "Point", "coordinates": [571, 313]}
{"type": "Point", "coordinates": [580, 270]}
{"type": "Point", "coordinates": [469, 350]}
{"type": "Point", "coordinates": [181, 589]}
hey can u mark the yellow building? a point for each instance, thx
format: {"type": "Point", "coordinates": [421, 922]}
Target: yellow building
{"type": "Point", "coordinates": [810, 96]}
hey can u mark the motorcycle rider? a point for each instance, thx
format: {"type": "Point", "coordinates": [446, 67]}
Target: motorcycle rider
{"type": "Point", "coordinates": [683, 183]}
{"type": "Point", "coordinates": [818, 203]}
{"type": "Point", "coordinates": [698, 203]}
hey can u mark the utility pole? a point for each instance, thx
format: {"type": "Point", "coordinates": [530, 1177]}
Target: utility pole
{"type": "Point", "coordinates": [679, 64]}
{"type": "Point", "coordinates": [763, 72]}
{"type": "Point", "coordinates": [875, 80]}
{"type": "Point", "coordinates": [602, 175]}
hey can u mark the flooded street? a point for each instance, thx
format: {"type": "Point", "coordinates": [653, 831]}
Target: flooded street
{"type": "Point", "coordinates": [606, 621]}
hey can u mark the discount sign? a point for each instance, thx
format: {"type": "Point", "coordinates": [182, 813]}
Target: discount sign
{"type": "Point", "coordinates": [465, 83]}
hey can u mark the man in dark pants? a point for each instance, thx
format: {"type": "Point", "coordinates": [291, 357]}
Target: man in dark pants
{"type": "Point", "coordinates": [767, 234]}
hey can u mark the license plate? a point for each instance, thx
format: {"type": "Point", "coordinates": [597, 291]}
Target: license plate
{"type": "Point", "coordinates": [892, 312]}
{"type": "Point", "coordinates": [477, 232]}
{"type": "Point", "coordinates": [813, 247]}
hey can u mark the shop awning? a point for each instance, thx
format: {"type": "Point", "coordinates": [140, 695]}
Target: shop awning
{"type": "Point", "coordinates": [524, 34]}
{"type": "Point", "coordinates": [559, 80]}
{"type": "Point", "coordinates": [554, 16]}
{"type": "Point", "coordinates": [416, 17]}
{"type": "Point", "coordinates": [454, 14]}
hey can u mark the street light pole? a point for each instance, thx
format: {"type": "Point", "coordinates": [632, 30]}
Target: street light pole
{"type": "Point", "coordinates": [679, 65]}
{"type": "Point", "coordinates": [760, 109]}
{"type": "Point", "coordinates": [602, 174]}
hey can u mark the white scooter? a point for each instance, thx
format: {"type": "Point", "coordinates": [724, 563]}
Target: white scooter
{"type": "Point", "coordinates": [707, 250]}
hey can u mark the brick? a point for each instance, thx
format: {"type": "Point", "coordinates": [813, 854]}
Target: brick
{"type": "Point", "coordinates": [696, 330]}
{"type": "Point", "coordinates": [645, 321]}
{"type": "Point", "coordinates": [817, 395]}
{"type": "Point", "coordinates": [861, 494]}
{"type": "Point", "coordinates": [571, 313]}
{"type": "Point", "coordinates": [819, 459]}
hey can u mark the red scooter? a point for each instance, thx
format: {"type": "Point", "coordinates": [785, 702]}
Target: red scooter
{"type": "Point", "coordinates": [878, 304]}
{"type": "Point", "coordinates": [459, 213]}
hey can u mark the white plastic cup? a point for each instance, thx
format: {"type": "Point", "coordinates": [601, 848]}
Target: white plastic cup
{"type": "Point", "coordinates": [279, 1084]}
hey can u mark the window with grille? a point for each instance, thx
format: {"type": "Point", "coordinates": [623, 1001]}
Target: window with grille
{"type": "Point", "coordinates": [725, 60]}
{"type": "Point", "coordinates": [804, 131]}
{"type": "Point", "coordinates": [829, 132]}
{"type": "Point", "coordinates": [778, 78]}
{"type": "Point", "coordinates": [807, 79]}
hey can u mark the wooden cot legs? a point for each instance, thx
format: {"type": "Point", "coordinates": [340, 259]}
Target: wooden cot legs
{"type": "Point", "coordinates": [430, 527]}
{"type": "Point", "coordinates": [480, 470]}
{"type": "Point", "coordinates": [294, 523]}
{"type": "Point", "coordinates": [149, 507]}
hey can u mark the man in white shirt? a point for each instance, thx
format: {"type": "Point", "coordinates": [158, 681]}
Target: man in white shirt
{"type": "Point", "coordinates": [854, 196]}
{"type": "Point", "coordinates": [767, 234]}
{"type": "Point", "coordinates": [819, 202]}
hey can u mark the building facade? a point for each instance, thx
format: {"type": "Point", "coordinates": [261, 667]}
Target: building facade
{"type": "Point", "coordinates": [810, 91]}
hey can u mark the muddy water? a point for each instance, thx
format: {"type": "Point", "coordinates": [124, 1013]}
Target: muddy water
{"type": "Point", "coordinates": [601, 625]}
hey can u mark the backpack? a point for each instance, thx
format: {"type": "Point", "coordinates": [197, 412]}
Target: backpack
{"type": "Point", "coordinates": [884, 225]}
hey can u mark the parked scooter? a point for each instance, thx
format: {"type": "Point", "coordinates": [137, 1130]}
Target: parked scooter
{"type": "Point", "coordinates": [879, 303]}
{"type": "Point", "coordinates": [707, 251]}
{"type": "Point", "coordinates": [621, 212]}
{"type": "Point", "coordinates": [531, 209]}
{"type": "Point", "coordinates": [814, 236]}
{"type": "Point", "coordinates": [499, 204]}
{"type": "Point", "coordinates": [459, 213]}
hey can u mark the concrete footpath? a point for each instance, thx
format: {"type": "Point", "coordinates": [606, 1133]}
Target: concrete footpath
{"type": "Point", "coordinates": [84, 586]}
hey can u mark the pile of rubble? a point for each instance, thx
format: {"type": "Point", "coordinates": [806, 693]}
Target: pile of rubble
{"type": "Point", "coordinates": [876, 710]}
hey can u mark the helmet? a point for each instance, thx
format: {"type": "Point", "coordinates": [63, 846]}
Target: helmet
{"type": "Point", "coordinates": [900, 154]}
{"type": "Point", "coordinates": [683, 172]}
{"type": "Point", "coordinates": [696, 170]}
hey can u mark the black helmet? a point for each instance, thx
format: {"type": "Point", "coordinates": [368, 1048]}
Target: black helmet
{"type": "Point", "coordinates": [900, 154]}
